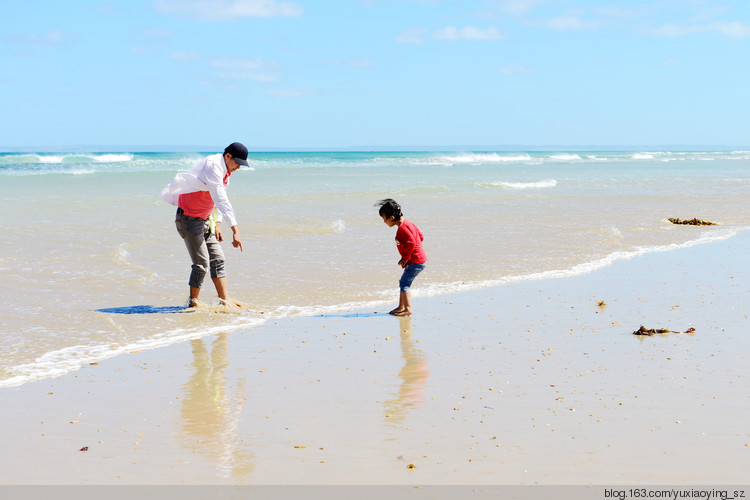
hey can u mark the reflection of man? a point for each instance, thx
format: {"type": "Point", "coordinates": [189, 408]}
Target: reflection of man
{"type": "Point", "coordinates": [413, 375]}
{"type": "Point", "coordinates": [203, 407]}
{"type": "Point", "coordinates": [209, 414]}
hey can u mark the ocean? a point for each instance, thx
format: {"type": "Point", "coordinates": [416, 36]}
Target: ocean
{"type": "Point", "coordinates": [92, 266]}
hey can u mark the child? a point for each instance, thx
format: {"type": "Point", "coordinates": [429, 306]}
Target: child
{"type": "Point", "coordinates": [409, 243]}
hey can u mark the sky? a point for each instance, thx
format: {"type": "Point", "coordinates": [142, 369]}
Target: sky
{"type": "Point", "coordinates": [358, 73]}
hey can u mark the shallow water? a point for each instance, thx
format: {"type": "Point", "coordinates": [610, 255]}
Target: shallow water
{"type": "Point", "coordinates": [93, 267]}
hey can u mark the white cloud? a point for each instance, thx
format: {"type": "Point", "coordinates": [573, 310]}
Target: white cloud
{"type": "Point", "coordinates": [228, 10]}
{"type": "Point", "coordinates": [254, 70]}
{"type": "Point", "coordinates": [515, 7]}
{"type": "Point", "coordinates": [730, 29]}
{"type": "Point", "coordinates": [591, 18]}
{"type": "Point", "coordinates": [468, 33]}
{"type": "Point", "coordinates": [566, 23]}
{"type": "Point", "coordinates": [451, 33]}
{"type": "Point", "coordinates": [414, 35]}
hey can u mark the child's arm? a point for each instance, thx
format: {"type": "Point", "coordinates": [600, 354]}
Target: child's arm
{"type": "Point", "coordinates": [406, 249]}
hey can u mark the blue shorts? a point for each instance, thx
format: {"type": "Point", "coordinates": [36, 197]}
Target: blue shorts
{"type": "Point", "coordinates": [410, 272]}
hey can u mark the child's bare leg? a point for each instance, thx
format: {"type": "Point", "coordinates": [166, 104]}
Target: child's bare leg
{"type": "Point", "coordinates": [404, 304]}
{"type": "Point", "coordinates": [400, 307]}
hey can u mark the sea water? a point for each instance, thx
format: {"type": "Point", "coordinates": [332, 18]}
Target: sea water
{"type": "Point", "coordinates": [91, 264]}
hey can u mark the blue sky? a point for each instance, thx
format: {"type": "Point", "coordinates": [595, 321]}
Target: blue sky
{"type": "Point", "coordinates": [338, 73]}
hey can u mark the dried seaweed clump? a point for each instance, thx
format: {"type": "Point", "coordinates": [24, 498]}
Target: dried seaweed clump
{"type": "Point", "coordinates": [651, 331]}
{"type": "Point", "coordinates": [692, 222]}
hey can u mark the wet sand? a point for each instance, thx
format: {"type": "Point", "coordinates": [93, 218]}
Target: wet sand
{"type": "Point", "coordinates": [531, 383]}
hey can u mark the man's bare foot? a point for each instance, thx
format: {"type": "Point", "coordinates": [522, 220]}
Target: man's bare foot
{"type": "Point", "coordinates": [405, 312]}
{"type": "Point", "coordinates": [396, 311]}
{"type": "Point", "coordinates": [229, 303]}
{"type": "Point", "coordinates": [193, 302]}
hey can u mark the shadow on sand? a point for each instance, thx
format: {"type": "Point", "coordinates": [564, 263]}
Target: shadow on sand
{"type": "Point", "coordinates": [142, 310]}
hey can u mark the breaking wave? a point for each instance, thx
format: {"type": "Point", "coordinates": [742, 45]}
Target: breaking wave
{"type": "Point", "coordinates": [549, 183]}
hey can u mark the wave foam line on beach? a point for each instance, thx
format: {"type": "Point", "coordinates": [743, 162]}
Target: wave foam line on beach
{"type": "Point", "coordinates": [463, 286]}
{"type": "Point", "coordinates": [62, 361]}
{"type": "Point", "coordinates": [578, 270]}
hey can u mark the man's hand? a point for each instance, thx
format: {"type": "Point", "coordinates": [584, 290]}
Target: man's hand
{"type": "Point", "coordinates": [236, 238]}
{"type": "Point", "coordinates": [219, 236]}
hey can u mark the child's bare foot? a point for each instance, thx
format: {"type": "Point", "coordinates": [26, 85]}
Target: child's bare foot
{"type": "Point", "coordinates": [405, 312]}
{"type": "Point", "coordinates": [396, 311]}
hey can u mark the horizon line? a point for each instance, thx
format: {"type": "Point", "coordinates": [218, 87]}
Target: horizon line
{"type": "Point", "coordinates": [167, 148]}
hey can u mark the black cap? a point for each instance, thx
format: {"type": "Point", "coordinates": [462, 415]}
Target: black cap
{"type": "Point", "coordinates": [238, 152]}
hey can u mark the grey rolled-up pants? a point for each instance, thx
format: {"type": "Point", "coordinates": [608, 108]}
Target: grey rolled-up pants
{"type": "Point", "coordinates": [203, 247]}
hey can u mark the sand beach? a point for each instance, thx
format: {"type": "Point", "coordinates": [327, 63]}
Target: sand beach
{"type": "Point", "coordinates": [532, 383]}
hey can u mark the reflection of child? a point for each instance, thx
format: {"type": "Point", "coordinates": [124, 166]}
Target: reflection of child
{"type": "Point", "coordinates": [409, 243]}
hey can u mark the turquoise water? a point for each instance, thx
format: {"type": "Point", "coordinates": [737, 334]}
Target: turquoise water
{"type": "Point", "coordinates": [92, 265]}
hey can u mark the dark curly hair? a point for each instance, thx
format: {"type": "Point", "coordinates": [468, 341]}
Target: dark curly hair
{"type": "Point", "coordinates": [389, 208]}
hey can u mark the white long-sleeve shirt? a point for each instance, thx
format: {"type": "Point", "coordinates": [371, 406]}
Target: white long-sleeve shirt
{"type": "Point", "coordinates": [206, 175]}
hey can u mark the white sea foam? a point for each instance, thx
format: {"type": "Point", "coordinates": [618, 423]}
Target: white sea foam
{"type": "Point", "coordinates": [79, 158]}
{"type": "Point", "coordinates": [565, 157]}
{"type": "Point", "coordinates": [615, 233]}
{"type": "Point", "coordinates": [549, 183]}
{"type": "Point", "coordinates": [112, 157]}
{"type": "Point", "coordinates": [315, 310]}
{"type": "Point", "coordinates": [62, 361]}
{"type": "Point", "coordinates": [49, 158]}
{"type": "Point", "coordinates": [478, 159]}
